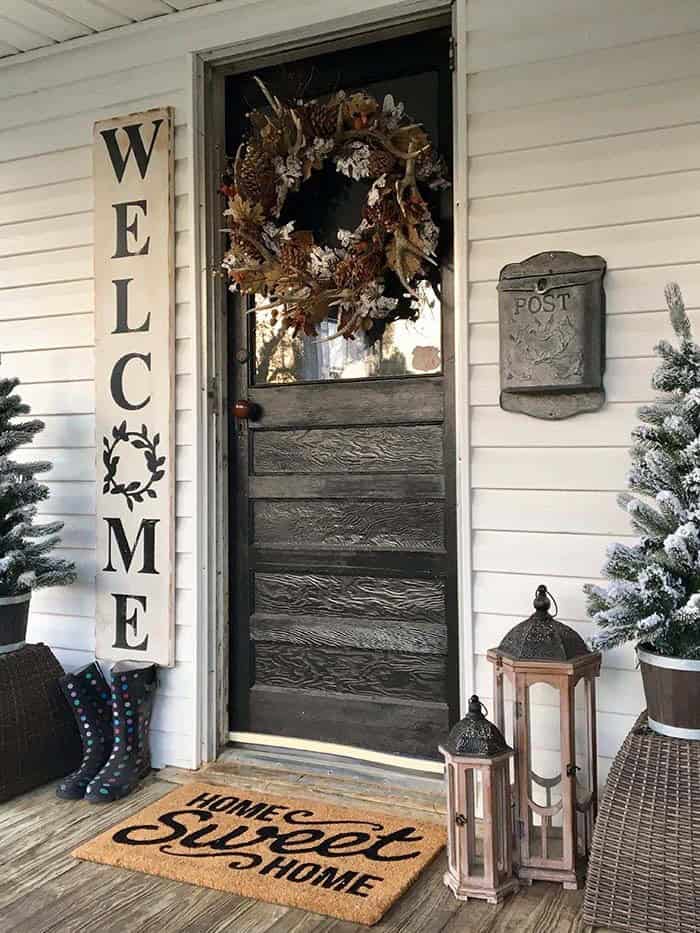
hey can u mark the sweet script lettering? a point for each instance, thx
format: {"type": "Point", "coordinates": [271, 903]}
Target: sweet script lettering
{"type": "Point", "coordinates": [196, 831]}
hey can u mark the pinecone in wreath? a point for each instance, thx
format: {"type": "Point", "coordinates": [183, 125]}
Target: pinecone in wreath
{"type": "Point", "coordinates": [358, 268]}
{"type": "Point", "coordinates": [425, 161]}
{"type": "Point", "coordinates": [244, 249]}
{"type": "Point", "coordinates": [321, 119]}
{"type": "Point", "coordinates": [385, 213]}
{"type": "Point", "coordinates": [430, 163]}
{"type": "Point", "coordinates": [256, 177]}
{"type": "Point", "coordinates": [272, 137]}
{"type": "Point", "coordinates": [381, 162]}
{"type": "Point", "coordinates": [294, 252]}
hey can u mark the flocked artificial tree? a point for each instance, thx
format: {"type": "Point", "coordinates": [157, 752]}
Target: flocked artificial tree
{"type": "Point", "coordinates": [25, 546]}
{"type": "Point", "coordinates": [653, 596]}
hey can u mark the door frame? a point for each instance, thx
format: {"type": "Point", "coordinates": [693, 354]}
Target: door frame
{"type": "Point", "coordinates": [208, 72]}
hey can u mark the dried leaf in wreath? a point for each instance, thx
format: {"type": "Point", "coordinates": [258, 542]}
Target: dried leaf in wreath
{"type": "Point", "coordinates": [245, 212]}
{"type": "Point", "coordinates": [318, 311]}
{"type": "Point", "coordinates": [258, 120]}
{"type": "Point", "coordinates": [271, 272]}
{"type": "Point", "coordinates": [249, 280]}
{"type": "Point", "coordinates": [359, 109]}
{"type": "Point", "coordinates": [402, 261]}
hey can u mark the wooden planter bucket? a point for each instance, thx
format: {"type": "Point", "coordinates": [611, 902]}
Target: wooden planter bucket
{"type": "Point", "coordinates": [672, 688]}
{"type": "Point", "coordinates": [14, 614]}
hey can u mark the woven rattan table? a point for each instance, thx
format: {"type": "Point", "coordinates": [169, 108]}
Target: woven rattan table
{"type": "Point", "coordinates": [644, 871]}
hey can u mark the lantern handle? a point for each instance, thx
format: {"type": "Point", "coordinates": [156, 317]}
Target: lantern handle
{"type": "Point", "coordinates": [476, 707]}
{"type": "Point", "coordinates": [542, 600]}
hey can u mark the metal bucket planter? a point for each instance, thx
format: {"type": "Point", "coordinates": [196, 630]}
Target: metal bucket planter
{"type": "Point", "coordinates": [14, 614]}
{"type": "Point", "coordinates": [672, 688]}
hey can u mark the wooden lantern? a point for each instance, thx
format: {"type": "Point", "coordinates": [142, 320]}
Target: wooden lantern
{"type": "Point", "coordinates": [479, 812]}
{"type": "Point", "coordinates": [555, 812]}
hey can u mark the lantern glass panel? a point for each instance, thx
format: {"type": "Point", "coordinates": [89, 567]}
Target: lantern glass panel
{"type": "Point", "coordinates": [544, 772]}
{"type": "Point", "coordinates": [583, 764]}
{"type": "Point", "coordinates": [452, 836]}
{"type": "Point", "coordinates": [508, 729]}
{"type": "Point", "coordinates": [474, 795]}
{"type": "Point", "coordinates": [504, 845]}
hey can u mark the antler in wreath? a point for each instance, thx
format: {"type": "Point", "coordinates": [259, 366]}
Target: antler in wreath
{"type": "Point", "coordinates": [385, 141]}
{"type": "Point", "coordinates": [404, 246]}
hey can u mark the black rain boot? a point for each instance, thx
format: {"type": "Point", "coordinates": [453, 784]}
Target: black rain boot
{"type": "Point", "coordinates": [133, 689]}
{"type": "Point", "coordinates": [88, 695]}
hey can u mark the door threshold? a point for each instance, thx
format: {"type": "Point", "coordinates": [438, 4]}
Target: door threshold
{"type": "Point", "coordinates": [255, 768]}
{"type": "Point", "coordinates": [326, 754]}
{"type": "Point", "coordinates": [346, 774]}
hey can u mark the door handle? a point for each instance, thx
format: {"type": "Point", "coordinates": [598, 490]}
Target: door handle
{"type": "Point", "coordinates": [245, 410]}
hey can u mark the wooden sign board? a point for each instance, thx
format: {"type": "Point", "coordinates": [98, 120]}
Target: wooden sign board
{"type": "Point", "coordinates": [134, 376]}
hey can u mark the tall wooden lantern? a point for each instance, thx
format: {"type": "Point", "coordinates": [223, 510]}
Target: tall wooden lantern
{"type": "Point", "coordinates": [479, 815]}
{"type": "Point", "coordinates": [550, 674]}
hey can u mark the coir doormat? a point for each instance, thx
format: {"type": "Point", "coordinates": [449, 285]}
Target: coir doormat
{"type": "Point", "coordinates": [345, 863]}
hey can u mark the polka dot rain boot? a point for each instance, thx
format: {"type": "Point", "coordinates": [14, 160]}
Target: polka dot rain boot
{"type": "Point", "coordinates": [88, 695]}
{"type": "Point", "coordinates": [133, 690]}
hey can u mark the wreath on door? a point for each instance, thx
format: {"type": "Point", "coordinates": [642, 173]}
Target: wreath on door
{"type": "Point", "coordinates": [303, 283]}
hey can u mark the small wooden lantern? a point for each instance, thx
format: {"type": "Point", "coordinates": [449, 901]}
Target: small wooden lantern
{"type": "Point", "coordinates": [477, 772]}
{"type": "Point", "coordinates": [555, 813]}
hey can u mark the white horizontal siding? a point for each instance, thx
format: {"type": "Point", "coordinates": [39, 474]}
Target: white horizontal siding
{"type": "Point", "coordinates": [506, 33]}
{"type": "Point", "coordinates": [47, 340]}
{"type": "Point", "coordinates": [593, 150]}
{"type": "Point", "coordinates": [584, 132]}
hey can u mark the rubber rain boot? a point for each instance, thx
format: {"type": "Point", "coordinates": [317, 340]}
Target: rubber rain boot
{"type": "Point", "coordinates": [133, 691]}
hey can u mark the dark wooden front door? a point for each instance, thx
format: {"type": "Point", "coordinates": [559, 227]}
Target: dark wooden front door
{"type": "Point", "coordinates": [343, 570]}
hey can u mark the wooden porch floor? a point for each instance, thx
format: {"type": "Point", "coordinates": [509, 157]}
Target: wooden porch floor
{"type": "Point", "coordinates": [44, 890]}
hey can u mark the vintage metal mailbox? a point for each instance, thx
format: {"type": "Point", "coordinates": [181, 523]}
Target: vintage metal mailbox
{"type": "Point", "coordinates": [551, 310]}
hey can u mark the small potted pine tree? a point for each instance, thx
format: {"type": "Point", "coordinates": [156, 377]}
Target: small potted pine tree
{"type": "Point", "coordinates": [26, 562]}
{"type": "Point", "coordinates": [653, 594]}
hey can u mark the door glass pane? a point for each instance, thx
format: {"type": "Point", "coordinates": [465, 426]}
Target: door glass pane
{"type": "Point", "coordinates": [406, 348]}
{"type": "Point", "coordinates": [328, 203]}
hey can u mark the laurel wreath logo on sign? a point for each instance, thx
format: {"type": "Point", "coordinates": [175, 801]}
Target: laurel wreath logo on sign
{"type": "Point", "coordinates": [135, 490]}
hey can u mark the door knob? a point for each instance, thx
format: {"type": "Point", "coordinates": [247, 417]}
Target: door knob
{"type": "Point", "coordinates": [245, 410]}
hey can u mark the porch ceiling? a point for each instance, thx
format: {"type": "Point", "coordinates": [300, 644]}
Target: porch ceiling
{"type": "Point", "coordinates": [34, 24]}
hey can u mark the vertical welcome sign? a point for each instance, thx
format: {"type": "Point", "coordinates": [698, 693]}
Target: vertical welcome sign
{"type": "Point", "coordinates": [134, 376]}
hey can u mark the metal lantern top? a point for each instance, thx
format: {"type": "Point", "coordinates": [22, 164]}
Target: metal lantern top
{"type": "Point", "coordinates": [474, 736]}
{"type": "Point", "coordinates": [542, 637]}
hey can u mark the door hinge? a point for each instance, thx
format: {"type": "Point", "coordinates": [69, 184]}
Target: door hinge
{"type": "Point", "coordinates": [251, 663]}
{"type": "Point", "coordinates": [518, 709]}
{"type": "Point", "coordinates": [521, 829]}
{"type": "Point", "coordinates": [213, 395]}
{"type": "Point", "coordinates": [452, 54]}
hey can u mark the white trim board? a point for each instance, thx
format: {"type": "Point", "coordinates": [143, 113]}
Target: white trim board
{"type": "Point", "coordinates": [342, 751]}
{"type": "Point", "coordinates": [212, 665]}
{"type": "Point", "coordinates": [461, 355]}
{"type": "Point", "coordinates": [200, 30]}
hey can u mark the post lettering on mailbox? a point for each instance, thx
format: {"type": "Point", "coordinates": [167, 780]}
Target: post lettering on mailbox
{"type": "Point", "coordinates": [134, 386]}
